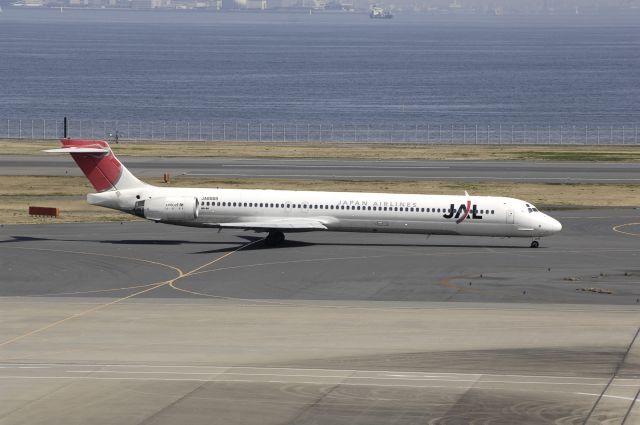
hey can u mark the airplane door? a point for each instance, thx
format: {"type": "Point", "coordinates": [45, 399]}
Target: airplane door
{"type": "Point", "coordinates": [510, 217]}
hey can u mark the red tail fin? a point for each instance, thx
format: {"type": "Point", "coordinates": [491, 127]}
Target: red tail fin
{"type": "Point", "coordinates": [102, 169]}
{"type": "Point", "coordinates": [99, 164]}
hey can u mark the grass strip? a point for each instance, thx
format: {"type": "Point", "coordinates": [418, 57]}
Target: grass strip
{"type": "Point", "coordinates": [357, 151]}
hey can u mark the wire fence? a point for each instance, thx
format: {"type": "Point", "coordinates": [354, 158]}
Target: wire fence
{"type": "Point", "coordinates": [255, 131]}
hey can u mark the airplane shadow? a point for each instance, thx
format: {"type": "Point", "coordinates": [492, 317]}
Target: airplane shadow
{"type": "Point", "coordinates": [292, 244]}
{"type": "Point", "coordinates": [258, 244]}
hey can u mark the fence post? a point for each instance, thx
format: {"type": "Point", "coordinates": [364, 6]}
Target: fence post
{"type": "Point", "coordinates": [272, 132]}
{"type": "Point", "coordinates": [296, 133]}
{"type": "Point", "coordinates": [476, 134]}
{"type": "Point", "coordinates": [500, 135]}
{"type": "Point", "coordinates": [488, 135]}
{"type": "Point", "coordinates": [512, 130]}
{"type": "Point", "coordinates": [236, 138]}
{"type": "Point", "coordinates": [284, 132]}
{"type": "Point", "coordinates": [8, 128]}
{"type": "Point", "coordinates": [308, 131]}
{"type": "Point", "coordinates": [260, 131]}
{"type": "Point", "coordinates": [598, 135]}
{"type": "Point", "coordinates": [549, 133]}
{"type": "Point", "coordinates": [20, 132]}
{"type": "Point", "coordinates": [32, 129]}
{"type": "Point", "coordinates": [248, 124]}
{"type": "Point", "coordinates": [586, 134]}
{"type": "Point", "coordinates": [320, 133]}
{"type": "Point", "coordinates": [561, 141]}
{"type": "Point", "coordinates": [452, 134]}
{"type": "Point", "coordinates": [464, 134]}
{"type": "Point", "coordinates": [611, 136]}
{"type": "Point", "coordinates": [44, 126]}
{"type": "Point", "coordinates": [622, 135]}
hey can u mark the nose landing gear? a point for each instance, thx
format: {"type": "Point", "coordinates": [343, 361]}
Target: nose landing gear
{"type": "Point", "coordinates": [274, 238]}
{"type": "Point", "coordinates": [535, 244]}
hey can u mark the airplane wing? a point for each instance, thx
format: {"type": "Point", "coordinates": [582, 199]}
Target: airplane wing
{"type": "Point", "coordinates": [299, 225]}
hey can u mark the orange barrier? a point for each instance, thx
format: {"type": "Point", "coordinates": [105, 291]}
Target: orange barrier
{"type": "Point", "coordinates": [44, 211]}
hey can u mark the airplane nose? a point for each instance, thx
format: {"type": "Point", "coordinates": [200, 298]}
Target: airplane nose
{"type": "Point", "coordinates": [554, 225]}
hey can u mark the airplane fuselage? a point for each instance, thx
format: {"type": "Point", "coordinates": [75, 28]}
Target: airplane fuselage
{"type": "Point", "coordinates": [337, 211]}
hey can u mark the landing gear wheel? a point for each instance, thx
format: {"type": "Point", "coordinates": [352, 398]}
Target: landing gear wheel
{"type": "Point", "coordinates": [274, 238]}
{"type": "Point", "coordinates": [535, 244]}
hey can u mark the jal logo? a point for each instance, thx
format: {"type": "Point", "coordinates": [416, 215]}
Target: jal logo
{"type": "Point", "coordinates": [463, 212]}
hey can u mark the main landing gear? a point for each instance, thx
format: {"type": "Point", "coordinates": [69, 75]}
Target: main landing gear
{"type": "Point", "coordinates": [535, 244]}
{"type": "Point", "coordinates": [274, 238]}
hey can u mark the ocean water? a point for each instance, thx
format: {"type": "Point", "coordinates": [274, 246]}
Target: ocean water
{"type": "Point", "coordinates": [332, 68]}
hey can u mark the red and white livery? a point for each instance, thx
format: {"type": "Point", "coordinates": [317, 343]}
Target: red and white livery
{"type": "Point", "coordinates": [277, 212]}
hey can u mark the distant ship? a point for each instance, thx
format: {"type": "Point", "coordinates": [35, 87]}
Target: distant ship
{"type": "Point", "coordinates": [380, 13]}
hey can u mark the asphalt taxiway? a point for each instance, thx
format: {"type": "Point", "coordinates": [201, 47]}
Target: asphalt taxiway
{"type": "Point", "coordinates": [519, 171]}
{"type": "Point", "coordinates": [145, 323]}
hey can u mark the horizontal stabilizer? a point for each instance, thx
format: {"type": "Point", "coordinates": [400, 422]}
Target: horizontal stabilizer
{"type": "Point", "coordinates": [78, 150]}
{"type": "Point", "coordinates": [299, 225]}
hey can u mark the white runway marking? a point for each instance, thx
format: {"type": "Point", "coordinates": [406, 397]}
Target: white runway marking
{"type": "Point", "coordinates": [379, 176]}
{"type": "Point", "coordinates": [405, 167]}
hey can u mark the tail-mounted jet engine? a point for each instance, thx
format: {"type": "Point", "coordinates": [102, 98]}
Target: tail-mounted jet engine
{"type": "Point", "coordinates": [168, 209]}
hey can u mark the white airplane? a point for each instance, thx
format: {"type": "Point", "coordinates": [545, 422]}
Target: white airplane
{"type": "Point", "coordinates": [282, 211]}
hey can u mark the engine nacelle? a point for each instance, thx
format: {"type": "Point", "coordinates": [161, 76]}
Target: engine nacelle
{"type": "Point", "coordinates": [168, 209]}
